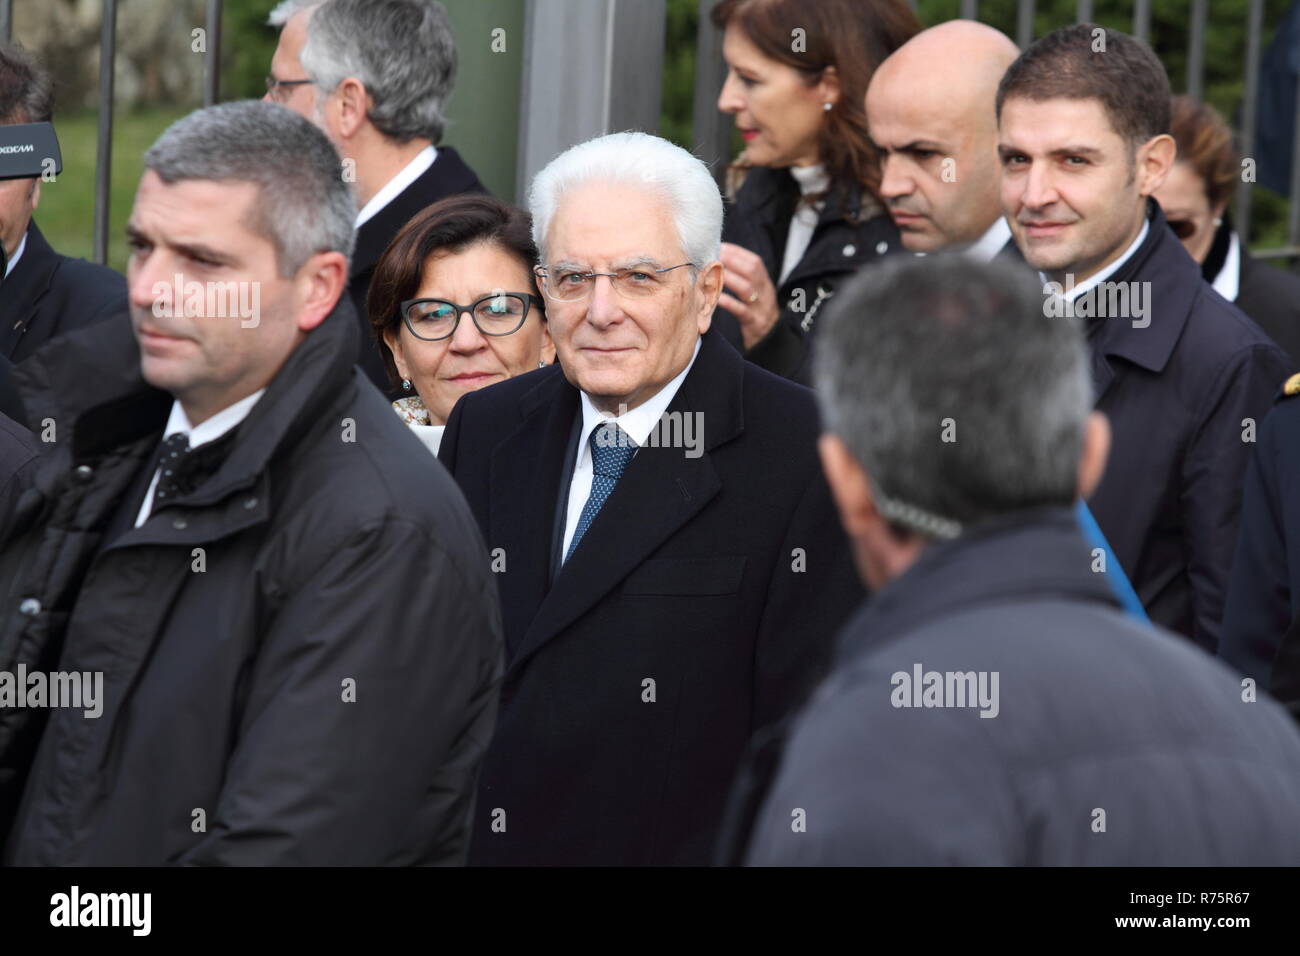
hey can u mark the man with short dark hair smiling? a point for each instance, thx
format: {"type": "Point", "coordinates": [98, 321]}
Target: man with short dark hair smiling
{"type": "Point", "coordinates": [1183, 376]}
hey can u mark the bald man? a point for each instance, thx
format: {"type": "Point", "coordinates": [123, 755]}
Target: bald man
{"type": "Point", "coordinates": [931, 110]}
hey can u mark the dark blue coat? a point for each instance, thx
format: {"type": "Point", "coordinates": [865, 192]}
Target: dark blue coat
{"type": "Point", "coordinates": [1183, 394]}
{"type": "Point", "coordinates": [49, 294]}
{"type": "Point", "coordinates": [688, 577]}
{"type": "Point", "coordinates": [1264, 597]}
{"type": "Point", "coordinates": [1094, 712]}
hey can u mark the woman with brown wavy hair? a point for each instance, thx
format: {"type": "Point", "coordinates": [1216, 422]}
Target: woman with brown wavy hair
{"type": "Point", "coordinates": [808, 214]}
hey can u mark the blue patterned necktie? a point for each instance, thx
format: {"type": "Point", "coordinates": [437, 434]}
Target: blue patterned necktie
{"type": "Point", "coordinates": [611, 450]}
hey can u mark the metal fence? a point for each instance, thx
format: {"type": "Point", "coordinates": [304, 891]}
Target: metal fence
{"type": "Point", "coordinates": [712, 130]}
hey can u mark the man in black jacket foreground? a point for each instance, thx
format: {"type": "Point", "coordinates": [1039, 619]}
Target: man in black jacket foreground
{"type": "Point", "coordinates": [992, 705]}
{"type": "Point", "coordinates": [282, 645]}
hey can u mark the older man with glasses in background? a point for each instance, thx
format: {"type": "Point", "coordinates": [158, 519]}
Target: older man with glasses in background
{"type": "Point", "coordinates": [375, 75]}
{"type": "Point", "coordinates": [666, 549]}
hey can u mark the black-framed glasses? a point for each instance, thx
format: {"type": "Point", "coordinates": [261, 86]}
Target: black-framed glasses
{"type": "Point", "coordinates": [274, 87]}
{"type": "Point", "coordinates": [500, 313]}
{"type": "Point", "coordinates": [570, 285]}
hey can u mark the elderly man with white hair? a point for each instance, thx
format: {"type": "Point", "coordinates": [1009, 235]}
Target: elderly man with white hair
{"type": "Point", "coordinates": [670, 566]}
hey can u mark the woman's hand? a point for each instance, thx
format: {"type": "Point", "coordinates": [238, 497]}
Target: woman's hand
{"type": "Point", "coordinates": [753, 298]}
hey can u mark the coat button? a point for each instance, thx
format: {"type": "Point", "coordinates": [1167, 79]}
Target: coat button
{"type": "Point", "coordinates": [180, 524]}
{"type": "Point", "coordinates": [250, 503]}
{"type": "Point", "coordinates": [84, 473]}
{"type": "Point", "coordinates": [30, 606]}
{"type": "Point", "coordinates": [882, 247]}
{"type": "Point", "coordinates": [849, 249]}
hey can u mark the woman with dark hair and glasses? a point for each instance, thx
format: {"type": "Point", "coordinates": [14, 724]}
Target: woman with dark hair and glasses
{"type": "Point", "coordinates": [1195, 199]}
{"type": "Point", "coordinates": [454, 301]}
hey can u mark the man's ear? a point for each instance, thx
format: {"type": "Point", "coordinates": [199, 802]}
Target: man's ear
{"type": "Point", "coordinates": [36, 194]}
{"type": "Point", "coordinates": [709, 288]}
{"type": "Point", "coordinates": [849, 486]}
{"type": "Point", "coordinates": [321, 281]}
{"type": "Point", "coordinates": [1155, 159]}
{"type": "Point", "coordinates": [354, 106]}
{"type": "Point", "coordinates": [1096, 449]}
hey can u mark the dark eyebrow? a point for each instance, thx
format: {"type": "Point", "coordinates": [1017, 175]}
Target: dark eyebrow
{"type": "Point", "coordinates": [199, 251]}
{"type": "Point", "coordinates": [1088, 152]}
{"type": "Point", "coordinates": [918, 145]}
{"type": "Point", "coordinates": [193, 250]}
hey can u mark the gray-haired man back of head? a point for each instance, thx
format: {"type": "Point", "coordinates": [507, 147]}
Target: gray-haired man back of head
{"type": "Point", "coordinates": [953, 393]}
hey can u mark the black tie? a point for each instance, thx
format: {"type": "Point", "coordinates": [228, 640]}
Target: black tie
{"type": "Point", "coordinates": [182, 469]}
{"type": "Point", "coordinates": [174, 451]}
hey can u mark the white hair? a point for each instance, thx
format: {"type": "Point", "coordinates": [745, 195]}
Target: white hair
{"type": "Point", "coordinates": [285, 9]}
{"type": "Point", "coordinates": [637, 159]}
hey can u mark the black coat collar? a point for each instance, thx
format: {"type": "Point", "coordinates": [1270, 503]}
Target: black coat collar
{"type": "Point", "coordinates": [659, 492]}
{"type": "Point", "coordinates": [1175, 285]}
{"type": "Point", "coordinates": [447, 176]}
{"type": "Point", "coordinates": [25, 286]}
{"type": "Point", "coordinates": [773, 193]}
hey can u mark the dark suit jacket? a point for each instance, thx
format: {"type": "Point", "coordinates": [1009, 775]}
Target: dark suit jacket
{"type": "Point", "coordinates": [48, 294]}
{"type": "Point", "coordinates": [446, 177]}
{"type": "Point", "coordinates": [1271, 297]}
{"type": "Point", "coordinates": [1260, 637]}
{"type": "Point", "coordinates": [692, 577]}
{"type": "Point", "coordinates": [1184, 396]}
{"type": "Point", "coordinates": [11, 401]}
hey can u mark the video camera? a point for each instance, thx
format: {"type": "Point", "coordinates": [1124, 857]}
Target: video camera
{"type": "Point", "coordinates": [27, 150]}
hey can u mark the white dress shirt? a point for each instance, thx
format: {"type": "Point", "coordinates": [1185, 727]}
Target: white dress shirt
{"type": "Point", "coordinates": [811, 179]}
{"type": "Point", "coordinates": [987, 246]}
{"type": "Point", "coordinates": [1228, 282]}
{"type": "Point", "coordinates": [18, 254]}
{"type": "Point", "coordinates": [638, 424]}
{"type": "Point", "coordinates": [394, 187]}
{"type": "Point", "coordinates": [208, 431]}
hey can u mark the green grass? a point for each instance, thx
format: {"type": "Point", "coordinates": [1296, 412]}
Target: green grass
{"type": "Point", "coordinates": [67, 210]}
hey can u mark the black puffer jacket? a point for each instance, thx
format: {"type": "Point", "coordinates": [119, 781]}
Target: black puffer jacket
{"type": "Point", "coordinates": [759, 220]}
{"type": "Point", "coordinates": [328, 557]}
